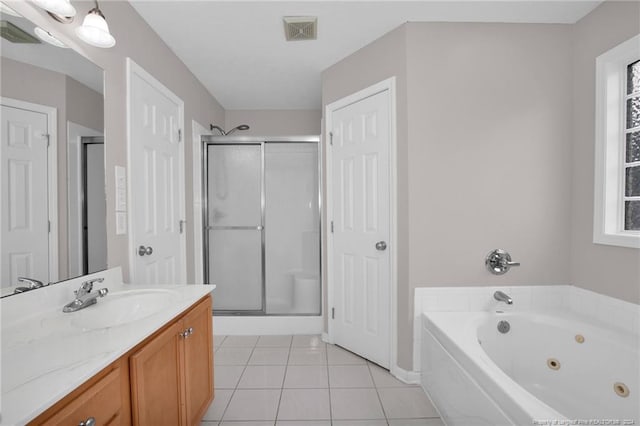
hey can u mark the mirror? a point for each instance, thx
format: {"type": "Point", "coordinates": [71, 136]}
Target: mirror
{"type": "Point", "coordinates": [53, 214]}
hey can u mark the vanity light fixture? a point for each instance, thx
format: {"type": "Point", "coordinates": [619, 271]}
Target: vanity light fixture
{"type": "Point", "coordinates": [60, 10]}
{"type": "Point", "coordinates": [47, 37]}
{"type": "Point", "coordinates": [94, 29]}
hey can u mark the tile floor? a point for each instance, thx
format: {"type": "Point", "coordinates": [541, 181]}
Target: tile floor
{"type": "Point", "coordinates": [301, 381]}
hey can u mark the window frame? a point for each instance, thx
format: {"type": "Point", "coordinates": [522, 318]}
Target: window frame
{"type": "Point", "coordinates": [610, 121]}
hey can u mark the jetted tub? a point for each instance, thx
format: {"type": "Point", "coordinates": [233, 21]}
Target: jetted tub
{"type": "Point", "coordinates": [548, 369]}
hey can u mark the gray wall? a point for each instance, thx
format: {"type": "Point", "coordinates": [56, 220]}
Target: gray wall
{"type": "Point", "coordinates": [135, 39]}
{"type": "Point", "coordinates": [485, 160]}
{"type": "Point", "coordinates": [489, 151]}
{"type": "Point", "coordinates": [610, 270]}
{"type": "Point", "coordinates": [274, 122]}
{"type": "Point", "coordinates": [489, 155]}
{"type": "Point", "coordinates": [74, 102]}
{"type": "Point", "coordinates": [382, 59]}
{"type": "Point", "coordinates": [80, 98]}
{"type": "Point", "coordinates": [498, 152]}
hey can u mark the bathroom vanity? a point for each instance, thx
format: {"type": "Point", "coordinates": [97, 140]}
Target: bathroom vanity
{"type": "Point", "coordinates": [141, 355]}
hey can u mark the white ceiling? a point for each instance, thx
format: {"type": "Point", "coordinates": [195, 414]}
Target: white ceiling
{"type": "Point", "coordinates": [238, 51]}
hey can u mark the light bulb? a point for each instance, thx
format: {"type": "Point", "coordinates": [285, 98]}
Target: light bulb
{"type": "Point", "coordinates": [49, 38]}
{"type": "Point", "coordinates": [58, 7]}
{"type": "Point", "coordinates": [95, 31]}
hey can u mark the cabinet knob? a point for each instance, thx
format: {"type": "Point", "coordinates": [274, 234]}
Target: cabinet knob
{"type": "Point", "coordinates": [186, 332]}
{"type": "Point", "coordinates": [89, 422]}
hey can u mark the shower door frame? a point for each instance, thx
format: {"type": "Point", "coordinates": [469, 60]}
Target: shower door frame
{"type": "Point", "coordinates": [207, 140]}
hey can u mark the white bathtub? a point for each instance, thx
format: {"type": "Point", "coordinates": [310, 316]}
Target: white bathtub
{"type": "Point", "coordinates": [476, 375]}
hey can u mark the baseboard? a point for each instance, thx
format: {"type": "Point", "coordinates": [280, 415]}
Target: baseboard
{"type": "Point", "coordinates": [266, 325]}
{"type": "Point", "coordinates": [406, 376]}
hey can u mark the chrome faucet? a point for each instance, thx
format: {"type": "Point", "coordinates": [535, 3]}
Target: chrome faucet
{"type": "Point", "coordinates": [498, 262]}
{"type": "Point", "coordinates": [85, 296]}
{"type": "Point", "coordinates": [31, 283]}
{"type": "Point", "coordinates": [502, 297]}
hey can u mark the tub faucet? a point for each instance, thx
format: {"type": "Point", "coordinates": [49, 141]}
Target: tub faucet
{"type": "Point", "coordinates": [85, 297]}
{"type": "Point", "coordinates": [502, 297]}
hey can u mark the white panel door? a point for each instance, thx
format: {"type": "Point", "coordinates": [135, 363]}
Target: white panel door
{"type": "Point", "coordinates": [361, 222]}
{"type": "Point", "coordinates": [156, 155]}
{"type": "Point", "coordinates": [25, 214]}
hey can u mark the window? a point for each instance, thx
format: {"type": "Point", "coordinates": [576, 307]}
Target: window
{"type": "Point", "coordinates": [632, 149]}
{"type": "Point", "coordinates": [617, 178]}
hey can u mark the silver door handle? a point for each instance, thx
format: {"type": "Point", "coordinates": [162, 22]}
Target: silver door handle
{"type": "Point", "coordinates": [142, 250]}
{"type": "Point", "coordinates": [381, 245]}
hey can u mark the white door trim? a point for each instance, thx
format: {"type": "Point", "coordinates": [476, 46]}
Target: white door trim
{"type": "Point", "coordinates": [52, 177]}
{"type": "Point", "coordinates": [135, 69]}
{"type": "Point", "coordinates": [197, 130]}
{"type": "Point", "coordinates": [75, 133]}
{"type": "Point", "coordinates": [390, 86]}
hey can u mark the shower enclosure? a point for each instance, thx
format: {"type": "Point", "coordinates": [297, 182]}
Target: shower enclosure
{"type": "Point", "coordinates": [261, 217]}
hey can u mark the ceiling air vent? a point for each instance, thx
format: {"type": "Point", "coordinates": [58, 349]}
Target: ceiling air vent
{"type": "Point", "coordinates": [16, 34]}
{"type": "Point", "coordinates": [300, 28]}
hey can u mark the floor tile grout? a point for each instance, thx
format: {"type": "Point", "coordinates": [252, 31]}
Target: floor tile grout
{"type": "Point", "coordinates": [328, 388]}
{"type": "Point", "coordinates": [236, 387]}
{"type": "Point", "coordinates": [329, 385]}
{"type": "Point", "coordinates": [284, 378]}
{"type": "Point", "coordinates": [378, 394]}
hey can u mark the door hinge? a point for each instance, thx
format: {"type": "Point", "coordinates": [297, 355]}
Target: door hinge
{"type": "Point", "coordinates": [330, 138]}
{"type": "Point", "coordinates": [332, 227]}
{"type": "Point", "coordinates": [49, 226]}
{"type": "Point", "coordinates": [333, 313]}
{"type": "Point", "coordinates": [48, 137]}
{"type": "Point", "coordinates": [182, 223]}
{"type": "Point", "coordinates": [179, 135]}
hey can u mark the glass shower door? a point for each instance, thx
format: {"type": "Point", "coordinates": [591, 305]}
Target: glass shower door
{"type": "Point", "coordinates": [235, 226]}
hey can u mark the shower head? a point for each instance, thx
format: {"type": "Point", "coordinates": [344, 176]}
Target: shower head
{"type": "Point", "coordinates": [218, 128]}
{"type": "Point", "coordinates": [240, 127]}
{"type": "Point", "coordinates": [223, 133]}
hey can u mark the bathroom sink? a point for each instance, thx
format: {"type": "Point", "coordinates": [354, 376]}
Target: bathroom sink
{"type": "Point", "coordinates": [122, 307]}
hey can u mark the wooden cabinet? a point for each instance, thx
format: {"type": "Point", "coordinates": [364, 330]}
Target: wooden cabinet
{"type": "Point", "coordinates": [198, 362]}
{"type": "Point", "coordinates": [156, 390]}
{"type": "Point", "coordinates": [105, 398]}
{"type": "Point", "coordinates": [165, 380]}
{"type": "Point", "coordinates": [172, 375]}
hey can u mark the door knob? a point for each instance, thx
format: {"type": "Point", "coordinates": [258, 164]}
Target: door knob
{"type": "Point", "coordinates": [381, 245]}
{"type": "Point", "coordinates": [142, 250]}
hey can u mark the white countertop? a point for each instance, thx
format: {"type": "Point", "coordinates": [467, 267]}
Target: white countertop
{"type": "Point", "coordinates": [45, 354]}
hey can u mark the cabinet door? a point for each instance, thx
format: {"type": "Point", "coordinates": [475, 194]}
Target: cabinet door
{"type": "Point", "coordinates": [156, 391]}
{"type": "Point", "coordinates": [198, 361]}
